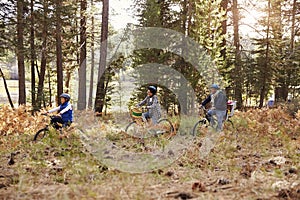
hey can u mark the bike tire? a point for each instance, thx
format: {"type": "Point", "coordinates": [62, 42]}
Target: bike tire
{"type": "Point", "coordinates": [170, 128]}
{"type": "Point", "coordinates": [231, 123]}
{"type": "Point", "coordinates": [128, 126]}
{"type": "Point", "coordinates": [136, 131]}
{"type": "Point", "coordinates": [40, 134]}
{"type": "Point", "coordinates": [198, 124]}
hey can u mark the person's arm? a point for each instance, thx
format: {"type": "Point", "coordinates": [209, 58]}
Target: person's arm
{"type": "Point", "coordinates": [154, 104]}
{"type": "Point", "coordinates": [206, 101]}
{"type": "Point", "coordinates": [69, 107]}
{"type": "Point", "coordinates": [54, 110]}
{"type": "Point", "coordinates": [143, 102]}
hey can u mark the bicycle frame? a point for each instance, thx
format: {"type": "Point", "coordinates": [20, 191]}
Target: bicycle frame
{"type": "Point", "coordinates": [145, 123]}
{"type": "Point", "coordinates": [226, 117]}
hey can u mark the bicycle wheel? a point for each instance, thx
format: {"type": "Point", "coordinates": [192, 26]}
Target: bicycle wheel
{"type": "Point", "coordinates": [165, 126]}
{"type": "Point", "coordinates": [231, 123]}
{"type": "Point", "coordinates": [40, 134]}
{"type": "Point", "coordinates": [199, 126]}
{"type": "Point", "coordinates": [133, 129]}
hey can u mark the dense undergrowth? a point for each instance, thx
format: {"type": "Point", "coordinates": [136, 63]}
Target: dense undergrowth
{"type": "Point", "coordinates": [258, 159]}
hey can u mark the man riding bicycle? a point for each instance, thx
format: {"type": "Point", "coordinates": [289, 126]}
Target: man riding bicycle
{"type": "Point", "coordinates": [65, 111]}
{"type": "Point", "coordinates": [152, 104]}
{"type": "Point", "coordinates": [219, 106]}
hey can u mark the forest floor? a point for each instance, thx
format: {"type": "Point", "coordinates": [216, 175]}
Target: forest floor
{"type": "Point", "coordinates": [258, 159]}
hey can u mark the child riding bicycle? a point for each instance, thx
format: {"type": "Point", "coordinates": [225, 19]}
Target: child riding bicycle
{"type": "Point", "coordinates": [152, 105]}
{"type": "Point", "coordinates": [65, 110]}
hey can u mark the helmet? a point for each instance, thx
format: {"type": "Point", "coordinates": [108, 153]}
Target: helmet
{"type": "Point", "coordinates": [152, 89]}
{"type": "Point", "coordinates": [66, 96]}
{"type": "Point", "coordinates": [230, 102]}
{"type": "Point", "coordinates": [215, 86]}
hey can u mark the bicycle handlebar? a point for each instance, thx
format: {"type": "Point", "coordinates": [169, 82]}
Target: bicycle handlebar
{"type": "Point", "coordinates": [203, 108]}
{"type": "Point", "coordinates": [51, 116]}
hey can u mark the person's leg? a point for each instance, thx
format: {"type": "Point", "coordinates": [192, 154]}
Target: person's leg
{"type": "Point", "coordinates": [145, 116]}
{"type": "Point", "coordinates": [66, 124]}
{"type": "Point", "coordinates": [210, 114]}
{"type": "Point", "coordinates": [154, 120]}
{"type": "Point", "coordinates": [56, 120]}
{"type": "Point", "coordinates": [220, 117]}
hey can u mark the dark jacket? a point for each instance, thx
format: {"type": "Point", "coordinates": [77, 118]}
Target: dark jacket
{"type": "Point", "coordinates": [66, 112]}
{"type": "Point", "coordinates": [220, 101]}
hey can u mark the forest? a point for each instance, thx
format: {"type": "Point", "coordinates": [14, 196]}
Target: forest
{"type": "Point", "coordinates": [250, 48]}
{"type": "Point", "coordinates": [58, 43]}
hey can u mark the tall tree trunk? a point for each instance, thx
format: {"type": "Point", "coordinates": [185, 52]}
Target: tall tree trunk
{"type": "Point", "coordinates": [100, 94]}
{"type": "Point", "coordinates": [59, 51]}
{"type": "Point", "coordinates": [68, 78]}
{"type": "Point", "coordinates": [224, 6]}
{"type": "Point", "coordinates": [20, 51]}
{"type": "Point", "coordinates": [236, 37]}
{"type": "Point", "coordinates": [263, 90]}
{"type": "Point", "coordinates": [49, 87]}
{"type": "Point", "coordinates": [182, 95]}
{"type": "Point", "coordinates": [40, 94]}
{"type": "Point", "coordinates": [6, 89]}
{"type": "Point", "coordinates": [292, 45]}
{"type": "Point", "coordinates": [90, 101]}
{"type": "Point", "coordinates": [32, 55]}
{"type": "Point", "coordinates": [190, 16]}
{"type": "Point", "coordinates": [291, 70]}
{"type": "Point", "coordinates": [82, 67]}
{"type": "Point", "coordinates": [281, 90]}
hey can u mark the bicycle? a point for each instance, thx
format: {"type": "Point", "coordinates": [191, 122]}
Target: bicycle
{"type": "Point", "coordinates": [40, 134]}
{"type": "Point", "coordinates": [140, 125]}
{"type": "Point", "coordinates": [204, 122]}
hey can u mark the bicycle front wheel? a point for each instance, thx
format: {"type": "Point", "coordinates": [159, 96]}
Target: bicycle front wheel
{"type": "Point", "coordinates": [40, 134]}
{"type": "Point", "coordinates": [134, 130]}
{"type": "Point", "coordinates": [199, 127]}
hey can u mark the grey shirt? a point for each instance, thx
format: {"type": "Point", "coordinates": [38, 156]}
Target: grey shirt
{"type": "Point", "coordinates": [152, 105]}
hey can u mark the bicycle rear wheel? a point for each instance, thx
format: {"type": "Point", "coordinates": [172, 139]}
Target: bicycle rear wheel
{"type": "Point", "coordinates": [199, 127]}
{"type": "Point", "coordinates": [40, 134]}
{"type": "Point", "coordinates": [165, 126]}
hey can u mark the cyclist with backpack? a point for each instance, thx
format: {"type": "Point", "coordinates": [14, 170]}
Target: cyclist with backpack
{"type": "Point", "coordinates": [219, 106]}
{"type": "Point", "coordinates": [152, 105]}
{"type": "Point", "coordinates": [65, 111]}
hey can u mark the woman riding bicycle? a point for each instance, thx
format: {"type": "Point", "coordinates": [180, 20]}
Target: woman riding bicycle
{"type": "Point", "coordinates": [65, 111]}
{"type": "Point", "coordinates": [152, 105]}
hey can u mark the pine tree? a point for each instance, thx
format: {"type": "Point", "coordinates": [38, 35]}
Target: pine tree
{"type": "Point", "coordinates": [59, 56]}
{"type": "Point", "coordinates": [40, 93]}
{"type": "Point", "coordinates": [209, 17]}
{"type": "Point", "coordinates": [101, 93]}
{"type": "Point", "coordinates": [265, 69]}
{"type": "Point", "coordinates": [82, 67]}
{"type": "Point", "coordinates": [237, 75]}
{"type": "Point", "coordinates": [20, 50]}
